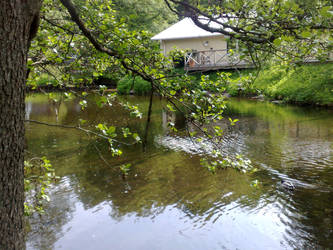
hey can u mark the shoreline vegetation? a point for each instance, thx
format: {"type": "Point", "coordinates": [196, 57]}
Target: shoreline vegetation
{"type": "Point", "coordinates": [306, 84]}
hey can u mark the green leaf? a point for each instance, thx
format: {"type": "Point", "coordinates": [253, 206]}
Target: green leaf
{"type": "Point", "coordinates": [306, 34]}
{"type": "Point", "coordinates": [277, 42]}
{"type": "Point", "coordinates": [82, 122]}
{"type": "Point", "coordinates": [136, 137]}
{"type": "Point", "coordinates": [83, 104]}
{"type": "Point", "coordinates": [233, 122]}
{"type": "Point", "coordinates": [68, 95]}
{"type": "Point", "coordinates": [325, 11]}
{"type": "Point", "coordinates": [170, 107]}
{"type": "Point", "coordinates": [101, 126]}
{"type": "Point", "coordinates": [111, 130]}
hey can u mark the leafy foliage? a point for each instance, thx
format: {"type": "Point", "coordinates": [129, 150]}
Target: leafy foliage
{"type": "Point", "coordinates": [123, 51]}
{"type": "Point", "coordinates": [239, 163]}
{"type": "Point", "coordinates": [39, 176]}
{"type": "Point", "coordinates": [312, 84]}
{"type": "Point", "coordinates": [125, 168]}
{"type": "Point", "coordinates": [305, 84]}
{"type": "Point", "coordinates": [150, 15]}
{"type": "Point", "coordinates": [290, 29]}
{"type": "Point", "coordinates": [137, 84]}
{"type": "Point", "coordinates": [102, 42]}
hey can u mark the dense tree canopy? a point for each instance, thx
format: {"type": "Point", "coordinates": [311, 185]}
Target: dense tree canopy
{"type": "Point", "coordinates": [292, 28]}
{"type": "Point", "coordinates": [150, 15]}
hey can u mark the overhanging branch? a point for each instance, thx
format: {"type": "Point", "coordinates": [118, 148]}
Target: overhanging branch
{"type": "Point", "coordinates": [80, 129]}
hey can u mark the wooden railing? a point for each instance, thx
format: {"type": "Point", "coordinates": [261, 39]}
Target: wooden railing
{"type": "Point", "coordinates": [210, 59]}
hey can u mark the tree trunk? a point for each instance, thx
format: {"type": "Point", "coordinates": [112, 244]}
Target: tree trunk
{"type": "Point", "coordinates": [16, 19]}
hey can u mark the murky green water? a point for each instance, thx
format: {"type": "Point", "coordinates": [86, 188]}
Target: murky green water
{"type": "Point", "coordinates": [168, 200]}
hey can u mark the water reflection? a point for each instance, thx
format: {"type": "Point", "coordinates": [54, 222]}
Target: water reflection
{"type": "Point", "coordinates": [168, 200]}
{"type": "Point", "coordinates": [44, 231]}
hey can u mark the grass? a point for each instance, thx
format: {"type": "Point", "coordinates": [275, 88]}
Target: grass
{"type": "Point", "coordinates": [305, 84]}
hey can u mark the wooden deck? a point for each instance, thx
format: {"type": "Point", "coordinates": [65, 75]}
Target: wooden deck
{"type": "Point", "coordinates": [221, 59]}
{"type": "Point", "coordinates": [214, 60]}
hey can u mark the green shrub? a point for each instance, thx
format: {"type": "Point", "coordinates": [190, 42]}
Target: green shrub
{"type": "Point", "coordinates": [124, 85]}
{"type": "Point", "coordinates": [139, 85]}
{"type": "Point", "coordinates": [42, 81]}
{"type": "Point", "coordinates": [308, 84]}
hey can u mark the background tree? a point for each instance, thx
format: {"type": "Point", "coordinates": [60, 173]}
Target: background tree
{"type": "Point", "coordinates": [150, 15]}
{"type": "Point", "coordinates": [290, 29]}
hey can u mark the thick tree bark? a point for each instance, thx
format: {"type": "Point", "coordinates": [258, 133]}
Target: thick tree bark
{"type": "Point", "coordinates": [16, 19]}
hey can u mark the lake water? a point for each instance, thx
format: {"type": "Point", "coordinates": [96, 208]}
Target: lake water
{"type": "Point", "coordinates": [169, 201]}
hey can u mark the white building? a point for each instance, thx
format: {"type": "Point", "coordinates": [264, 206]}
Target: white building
{"type": "Point", "coordinates": [206, 50]}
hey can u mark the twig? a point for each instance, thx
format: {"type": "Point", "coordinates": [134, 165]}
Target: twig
{"type": "Point", "coordinates": [81, 129]}
{"type": "Point", "coordinates": [101, 156]}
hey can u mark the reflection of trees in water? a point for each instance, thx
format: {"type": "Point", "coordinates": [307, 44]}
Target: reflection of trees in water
{"type": "Point", "coordinates": [169, 179]}
{"type": "Point", "coordinates": [176, 180]}
{"type": "Point", "coordinates": [299, 151]}
{"type": "Point", "coordinates": [175, 118]}
{"type": "Point", "coordinates": [161, 179]}
{"type": "Point", "coordinates": [309, 220]}
{"type": "Point", "coordinates": [302, 155]}
{"type": "Point", "coordinates": [46, 229]}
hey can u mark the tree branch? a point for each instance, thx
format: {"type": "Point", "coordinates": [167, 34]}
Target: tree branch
{"type": "Point", "coordinates": [264, 30]}
{"type": "Point", "coordinates": [80, 129]}
{"type": "Point", "coordinates": [76, 18]}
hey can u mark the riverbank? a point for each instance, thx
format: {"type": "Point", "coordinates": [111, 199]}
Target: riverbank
{"type": "Point", "coordinates": [308, 84]}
